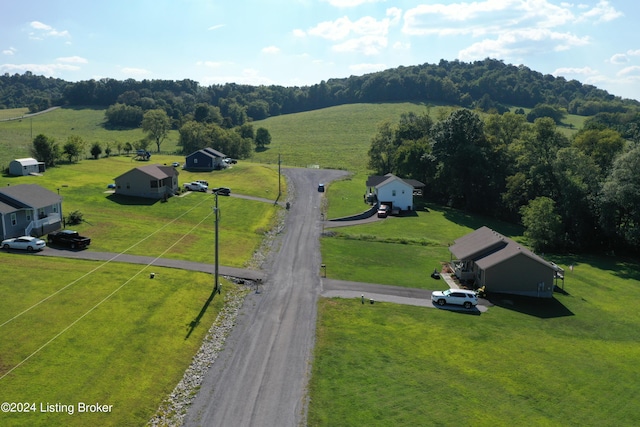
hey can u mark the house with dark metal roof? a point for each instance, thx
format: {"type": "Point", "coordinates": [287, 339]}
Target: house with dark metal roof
{"type": "Point", "coordinates": [392, 191]}
{"type": "Point", "coordinates": [501, 265]}
{"type": "Point", "coordinates": [206, 159]}
{"type": "Point", "coordinates": [150, 181]}
{"type": "Point", "coordinates": [29, 210]}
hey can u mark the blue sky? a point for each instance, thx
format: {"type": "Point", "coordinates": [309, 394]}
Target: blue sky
{"type": "Point", "coordinates": [302, 42]}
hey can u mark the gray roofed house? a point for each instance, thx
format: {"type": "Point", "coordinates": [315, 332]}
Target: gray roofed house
{"type": "Point", "coordinates": [29, 209]}
{"type": "Point", "coordinates": [502, 265]}
{"type": "Point", "coordinates": [206, 159]}
{"type": "Point", "coordinates": [150, 181]}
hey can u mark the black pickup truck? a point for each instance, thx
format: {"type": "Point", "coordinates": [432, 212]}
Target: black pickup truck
{"type": "Point", "coordinates": [69, 238]}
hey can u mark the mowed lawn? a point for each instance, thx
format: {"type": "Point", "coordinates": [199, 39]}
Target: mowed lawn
{"type": "Point", "coordinates": [76, 331]}
{"type": "Point", "coordinates": [568, 361]}
{"type": "Point", "coordinates": [182, 228]}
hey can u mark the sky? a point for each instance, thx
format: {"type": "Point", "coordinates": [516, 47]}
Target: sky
{"type": "Point", "coordinates": [303, 42]}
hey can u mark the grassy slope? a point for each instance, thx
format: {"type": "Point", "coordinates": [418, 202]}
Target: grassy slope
{"type": "Point", "coordinates": [128, 352]}
{"type": "Point", "coordinates": [334, 138]}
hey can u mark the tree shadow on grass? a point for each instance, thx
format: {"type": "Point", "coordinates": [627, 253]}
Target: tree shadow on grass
{"type": "Point", "coordinates": [195, 322]}
{"type": "Point", "coordinates": [261, 149]}
{"type": "Point", "coordinates": [543, 308]}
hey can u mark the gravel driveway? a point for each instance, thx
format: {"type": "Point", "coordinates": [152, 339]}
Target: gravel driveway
{"type": "Point", "coordinates": [260, 378]}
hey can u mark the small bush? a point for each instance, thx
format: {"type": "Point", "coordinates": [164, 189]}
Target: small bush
{"type": "Point", "coordinates": [74, 218]}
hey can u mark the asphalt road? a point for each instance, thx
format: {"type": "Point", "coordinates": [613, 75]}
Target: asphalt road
{"type": "Point", "coordinates": [260, 377]}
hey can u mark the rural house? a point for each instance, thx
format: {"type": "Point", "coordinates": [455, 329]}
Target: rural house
{"type": "Point", "coordinates": [27, 166]}
{"type": "Point", "coordinates": [393, 191]}
{"type": "Point", "coordinates": [502, 265]}
{"type": "Point", "coordinates": [151, 182]}
{"type": "Point", "coordinates": [206, 159]}
{"type": "Point", "coordinates": [28, 209]}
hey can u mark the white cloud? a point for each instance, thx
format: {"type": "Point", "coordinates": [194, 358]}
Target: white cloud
{"type": "Point", "coordinates": [401, 46]}
{"type": "Point", "coordinates": [521, 42]}
{"type": "Point", "coordinates": [272, 50]}
{"type": "Point", "coordinates": [584, 71]}
{"type": "Point", "coordinates": [73, 59]}
{"type": "Point", "coordinates": [602, 12]}
{"type": "Point", "coordinates": [210, 64]}
{"type": "Point", "coordinates": [350, 3]}
{"type": "Point", "coordinates": [299, 33]}
{"type": "Point", "coordinates": [633, 52]}
{"type": "Point", "coordinates": [44, 30]}
{"type": "Point", "coordinates": [368, 45]}
{"type": "Point", "coordinates": [619, 58]}
{"type": "Point", "coordinates": [633, 71]}
{"type": "Point", "coordinates": [215, 27]}
{"type": "Point", "coordinates": [484, 17]}
{"type": "Point", "coordinates": [367, 35]}
{"type": "Point", "coordinates": [43, 69]}
{"type": "Point", "coordinates": [10, 51]}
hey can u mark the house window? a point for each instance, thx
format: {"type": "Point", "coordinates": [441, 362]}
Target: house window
{"type": "Point", "coordinates": [29, 216]}
{"type": "Point", "coordinates": [41, 213]}
{"type": "Point", "coordinates": [195, 161]}
{"type": "Point", "coordinates": [55, 208]}
{"type": "Point", "coordinates": [393, 193]}
{"type": "Point", "coordinates": [14, 219]}
{"type": "Point", "coordinates": [154, 184]}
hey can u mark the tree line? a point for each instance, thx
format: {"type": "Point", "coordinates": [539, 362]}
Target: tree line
{"type": "Point", "coordinates": [488, 85]}
{"type": "Point", "coordinates": [579, 193]}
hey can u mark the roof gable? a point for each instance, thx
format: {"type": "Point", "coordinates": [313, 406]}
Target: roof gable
{"type": "Point", "coordinates": [378, 181]}
{"type": "Point", "coordinates": [154, 171]}
{"type": "Point", "coordinates": [488, 248]}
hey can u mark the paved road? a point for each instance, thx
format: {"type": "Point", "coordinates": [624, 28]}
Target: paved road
{"type": "Point", "coordinates": [260, 378]}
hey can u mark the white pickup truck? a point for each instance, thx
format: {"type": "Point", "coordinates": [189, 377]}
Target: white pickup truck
{"type": "Point", "coordinates": [195, 186]}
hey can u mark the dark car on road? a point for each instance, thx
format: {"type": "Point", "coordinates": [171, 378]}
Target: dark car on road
{"type": "Point", "coordinates": [222, 191]}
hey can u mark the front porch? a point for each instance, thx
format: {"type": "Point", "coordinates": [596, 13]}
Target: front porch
{"type": "Point", "coordinates": [44, 225]}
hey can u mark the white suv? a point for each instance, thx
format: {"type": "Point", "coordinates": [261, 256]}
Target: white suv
{"type": "Point", "coordinates": [196, 186]}
{"type": "Point", "coordinates": [462, 297]}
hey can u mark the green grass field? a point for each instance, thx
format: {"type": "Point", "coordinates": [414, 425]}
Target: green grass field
{"type": "Point", "coordinates": [97, 332]}
{"type": "Point", "coordinates": [568, 361]}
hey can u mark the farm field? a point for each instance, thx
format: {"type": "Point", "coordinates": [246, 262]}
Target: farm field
{"type": "Point", "coordinates": [95, 332]}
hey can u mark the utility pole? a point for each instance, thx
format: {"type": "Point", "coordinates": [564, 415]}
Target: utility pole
{"type": "Point", "coordinates": [279, 190]}
{"type": "Point", "coordinates": [216, 212]}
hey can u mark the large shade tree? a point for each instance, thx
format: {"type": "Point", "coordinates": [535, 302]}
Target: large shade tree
{"type": "Point", "coordinates": [156, 123]}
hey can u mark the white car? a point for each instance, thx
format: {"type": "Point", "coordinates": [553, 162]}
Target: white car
{"type": "Point", "coordinates": [27, 243]}
{"type": "Point", "coordinates": [462, 297]}
{"type": "Point", "coordinates": [196, 186]}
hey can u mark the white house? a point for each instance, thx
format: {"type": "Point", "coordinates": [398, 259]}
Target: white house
{"type": "Point", "coordinates": [392, 190]}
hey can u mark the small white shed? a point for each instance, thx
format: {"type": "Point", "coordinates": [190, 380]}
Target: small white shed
{"type": "Point", "coordinates": [26, 166]}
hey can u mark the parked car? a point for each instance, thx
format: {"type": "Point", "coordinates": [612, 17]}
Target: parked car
{"type": "Point", "coordinates": [205, 183]}
{"type": "Point", "coordinates": [222, 191]}
{"type": "Point", "coordinates": [111, 186]}
{"type": "Point", "coordinates": [383, 211]}
{"type": "Point", "coordinates": [195, 186]}
{"type": "Point", "coordinates": [462, 297]}
{"type": "Point", "coordinates": [175, 164]}
{"type": "Point", "coordinates": [321, 188]}
{"type": "Point", "coordinates": [26, 243]}
{"type": "Point", "coordinates": [69, 238]}
{"type": "Point", "coordinates": [230, 161]}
